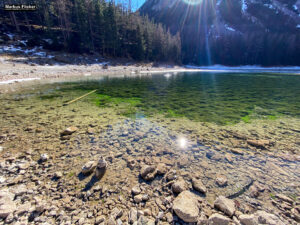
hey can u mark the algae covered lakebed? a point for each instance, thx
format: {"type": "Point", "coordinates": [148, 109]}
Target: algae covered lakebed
{"type": "Point", "coordinates": [236, 132]}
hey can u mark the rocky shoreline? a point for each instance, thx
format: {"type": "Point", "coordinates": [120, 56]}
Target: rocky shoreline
{"type": "Point", "coordinates": [149, 170]}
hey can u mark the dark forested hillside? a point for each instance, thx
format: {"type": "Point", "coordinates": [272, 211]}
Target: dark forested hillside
{"type": "Point", "coordinates": [92, 26]}
{"type": "Point", "coordinates": [232, 32]}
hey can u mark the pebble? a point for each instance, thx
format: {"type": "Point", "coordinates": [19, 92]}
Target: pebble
{"type": "Point", "coordinates": [198, 185]}
{"type": "Point", "coordinates": [136, 190]}
{"type": "Point", "coordinates": [44, 157]}
{"type": "Point", "coordinates": [221, 181]}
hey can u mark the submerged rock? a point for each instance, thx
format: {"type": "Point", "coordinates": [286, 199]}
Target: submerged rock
{"type": "Point", "coordinates": [148, 172]}
{"type": "Point", "coordinates": [221, 181]}
{"type": "Point", "coordinates": [186, 207]}
{"type": "Point", "coordinates": [225, 205]}
{"type": "Point", "coordinates": [259, 143]}
{"type": "Point", "coordinates": [179, 186]}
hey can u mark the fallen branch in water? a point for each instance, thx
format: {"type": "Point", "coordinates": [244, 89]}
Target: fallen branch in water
{"type": "Point", "coordinates": [76, 99]}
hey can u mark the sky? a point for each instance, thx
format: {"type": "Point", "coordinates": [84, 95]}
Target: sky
{"type": "Point", "coordinates": [135, 4]}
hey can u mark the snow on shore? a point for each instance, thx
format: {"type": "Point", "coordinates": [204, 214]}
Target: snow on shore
{"type": "Point", "coordinates": [18, 80]}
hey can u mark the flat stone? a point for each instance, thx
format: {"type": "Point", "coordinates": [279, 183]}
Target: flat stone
{"type": "Point", "coordinates": [88, 168]}
{"type": "Point", "coordinates": [69, 131]}
{"type": "Point", "coordinates": [225, 205]}
{"type": "Point", "coordinates": [218, 219]}
{"type": "Point", "coordinates": [186, 207]}
{"type": "Point", "coordinates": [19, 190]}
{"type": "Point", "coordinates": [198, 185]}
{"type": "Point", "coordinates": [248, 219]}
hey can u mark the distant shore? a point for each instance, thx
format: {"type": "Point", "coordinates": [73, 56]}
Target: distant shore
{"type": "Point", "coordinates": [19, 68]}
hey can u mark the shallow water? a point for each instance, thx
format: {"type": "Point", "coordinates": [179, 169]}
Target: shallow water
{"type": "Point", "coordinates": [221, 98]}
{"type": "Point", "coordinates": [176, 119]}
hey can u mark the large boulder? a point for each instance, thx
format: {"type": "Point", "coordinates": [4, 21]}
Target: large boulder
{"type": "Point", "coordinates": [218, 219]}
{"type": "Point", "coordinates": [186, 207]}
{"type": "Point", "coordinates": [225, 205]}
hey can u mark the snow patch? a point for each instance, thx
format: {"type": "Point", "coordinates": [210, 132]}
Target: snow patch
{"type": "Point", "coordinates": [229, 28]}
{"type": "Point", "coordinates": [18, 80]}
{"type": "Point", "coordinates": [244, 6]}
{"type": "Point", "coordinates": [11, 36]}
{"type": "Point", "coordinates": [270, 6]}
{"type": "Point", "coordinates": [295, 7]}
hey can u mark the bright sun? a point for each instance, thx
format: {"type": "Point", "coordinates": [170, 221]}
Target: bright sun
{"type": "Point", "coordinates": [192, 2]}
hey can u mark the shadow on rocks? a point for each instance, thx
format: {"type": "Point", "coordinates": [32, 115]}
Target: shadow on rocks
{"type": "Point", "coordinates": [92, 182]}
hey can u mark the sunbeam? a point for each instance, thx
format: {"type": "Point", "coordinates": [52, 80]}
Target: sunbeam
{"type": "Point", "coordinates": [193, 2]}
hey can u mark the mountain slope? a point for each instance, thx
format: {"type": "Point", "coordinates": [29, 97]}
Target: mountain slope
{"type": "Point", "coordinates": [265, 32]}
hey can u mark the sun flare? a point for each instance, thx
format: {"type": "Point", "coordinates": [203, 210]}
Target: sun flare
{"type": "Point", "coordinates": [193, 2]}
